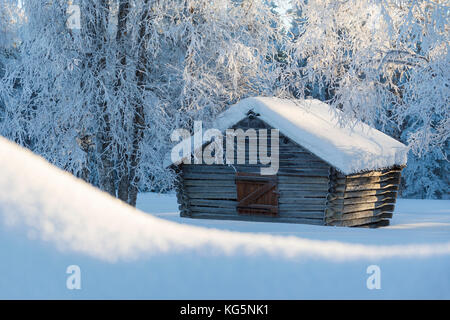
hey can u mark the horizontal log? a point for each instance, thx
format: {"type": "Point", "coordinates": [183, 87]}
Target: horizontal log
{"type": "Point", "coordinates": [215, 210]}
{"type": "Point", "coordinates": [378, 224]}
{"type": "Point", "coordinates": [296, 191]}
{"type": "Point", "coordinates": [230, 208]}
{"type": "Point", "coordinates": [201, 168]}
{"type": "Point", "coordinates": [282, 160]}
{"type": "Point", "coordinates": [365, 214]}
{"type": "Point", "coordinates": [375, 186]}
{"type": "Point", "coordinates": [244, 178]}
{"type": "Point", "coordinates": [302, 201]}
{"type": "Point", "coordinates": [291, 156]}
{"type": "Point", "coordinates": [303, 194]}
{"type": "Point", "coordinates": [256, 218]}
{"type": "Point", "coordinates": [281, 150]}
{"type": "Point", "coordinates": [210, 183]}
{"type": "Point", "coordinates": [358, 222]}
{"type": "Point", "coordinates": [302, 180]}
{"type": "Point", "coordinates": [283, 184]}
{"type": "Point", "coordinates": [294, 170]}
{"type": "Point", "coordinates": [311, 173]}
{"type": "Point", "coordinates": [389, 197]}
{"type": "Point", "coordinates": [362, 207]}
{"type": "Point", "coordinates": [289, 178]}
{"type": "Point", "coordinates": [210, 189]}
{"type": "Point", "coordinates": [214, 203]}
{"type": "Point", "coordinates": [208, 176]}
{"type": "Point", "coordinates": [369, 180]}
{"type": "Point", "coordinates": [218, 196]}
{"type": "Point", "coordinates": [301, 207]}
{"type": "Point", "coordinates": [302, 188]}
{"type": "Point", "coordinates": [337, 213]}
{"type": "Point", "coordinates": [365, 193]}
{"type": "Point", "coordinates": [314, 188]}
{"type": "Point", "coordinates": [304, 167]}
{"type": "Point", "coordinates": [375, 174]}
{"type": "Point", "coordinates": [369, 206]}
{"type": "Point", "coordinates": [358, 215]}
{"type": "Point", "coordinates": [185, 214]}
{"type": "Point", "coordinates": [302, 214]}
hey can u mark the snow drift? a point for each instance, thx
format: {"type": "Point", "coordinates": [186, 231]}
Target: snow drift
{"type": "Point", "coordinates": [53, 206]}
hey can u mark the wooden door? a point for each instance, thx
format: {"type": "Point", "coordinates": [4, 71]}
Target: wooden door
{"type": "Point", "coordinates": [256, 194]}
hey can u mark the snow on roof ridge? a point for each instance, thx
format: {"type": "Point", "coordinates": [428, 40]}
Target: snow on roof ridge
{"type": "Point", "coordinates": [315, 126]}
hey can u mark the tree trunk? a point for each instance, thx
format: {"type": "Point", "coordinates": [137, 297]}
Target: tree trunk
{"type": "Point", "coordinates": [139, 115]}
{"type": "Point", "coordinates": [104, 140]}
{"type": "Point", "coordinates": [122, 150]}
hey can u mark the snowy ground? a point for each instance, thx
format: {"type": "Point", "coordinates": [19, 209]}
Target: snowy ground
{"type": "Point", "coordinates": [414, 222]}
{"type": "Point", "coordinates": [50, 220]}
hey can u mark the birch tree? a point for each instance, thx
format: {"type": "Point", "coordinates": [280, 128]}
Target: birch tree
{"type": "Point", "coordinates": [384, 62]}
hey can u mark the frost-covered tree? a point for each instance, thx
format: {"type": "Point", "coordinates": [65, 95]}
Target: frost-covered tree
{"type": "Point", "coordinates": [10, 17]}
{"type": "Point", "coordinates": [102, 100]}
{"type": "Point", "coordinates": [384, 62]}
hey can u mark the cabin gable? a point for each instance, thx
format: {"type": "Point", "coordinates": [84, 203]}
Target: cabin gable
{"type": "Point", "coordinates": [212, 191]}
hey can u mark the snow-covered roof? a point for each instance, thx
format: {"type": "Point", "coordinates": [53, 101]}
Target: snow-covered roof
{"type": "Point", "coordinates": [315, 126]}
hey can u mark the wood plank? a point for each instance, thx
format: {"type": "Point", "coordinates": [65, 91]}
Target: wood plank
{"type": "Point", "coordinates": [370, 180]}
{"type": "Point", "coordinates": [375, 173]}
{"type": "Point", "coordinates": [214, 203]}
{"type": "Point", "coordinates": [365, 206]}
{"type": "Point", "coordinates": [388, 197]}
{"type": "Point", "coordinates": [302, 180]}
{"type": "Point", "coordinates": [210, 183]}
{"type": "Point", "coordinates": [287, 178]}
{"type": "Point", "coordinates": [215, 210]}
{"type": "Point", "coordinates": [303, 194]}
{"type": "Point", "coordinates": [358, 222]}
{"type": "Point", "coordinates": [365, 214]}
{"type": "Point", "coordinates": [242, 177]}
{"type": "Point", "coordinates": [360, 214]}
{"type": "Point", "coordinates": [365, 193]}
{"type": "Point", "coordinates": [337, 213]}
{"type": "Point", "coordinates": [203, 168]}
{"type": "Point", "coordinates": [299, 173]}
{"type": "Point", "coordinates": [301, 207]}
{"type": "Point", "coordinates": [378, 224]}
{"type": "Point", "coordinates": [208, 176]}
{"type": "Point", "coordinates": [300, 201]}
{"type": "Point", "coordinates": [298, 168]}
{"type": "Point", "coordinates": [210, 189]}
{"type": "Point", "coordinates": [253, 218]}
{"type": "Point", "coordinates": [314, 188]}
{"type": "Point", "coordinates": [218, 196]}
{"type": "Point", "coordinates": [306, 168]}
{"type": "Point", "coordinates": [302, 214]}
{"type": "Point", "coordinates": [376, 186]}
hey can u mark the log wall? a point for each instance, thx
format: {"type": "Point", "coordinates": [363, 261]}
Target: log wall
{"type": "Point", "coordinates": [365, 199]}
{"type": "Point", "coordinates": [209, 191]}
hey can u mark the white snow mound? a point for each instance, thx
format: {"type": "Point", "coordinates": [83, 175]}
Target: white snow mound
{"type": "Point", "coordinates": [51, 205]}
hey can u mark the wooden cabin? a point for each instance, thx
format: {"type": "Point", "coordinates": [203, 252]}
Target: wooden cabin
{"type": "Point", "coordinates": [328, 173]}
